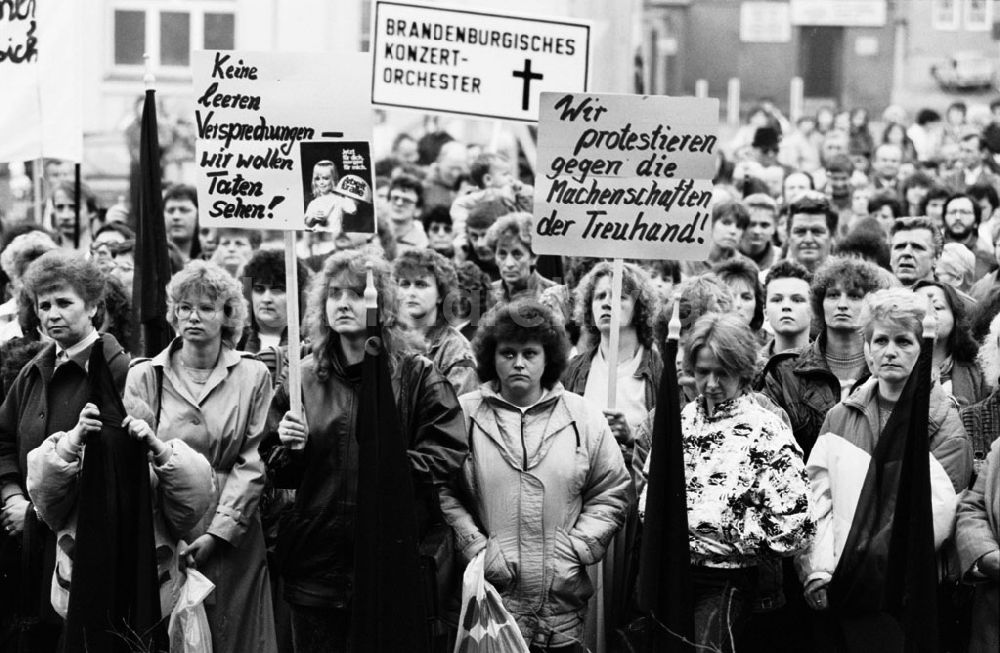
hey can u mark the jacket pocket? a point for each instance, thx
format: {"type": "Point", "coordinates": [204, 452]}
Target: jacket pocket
{"type": "Point", "coordinates": [571, 586]}
{"type": "Point", "coordinates": [496, 569]}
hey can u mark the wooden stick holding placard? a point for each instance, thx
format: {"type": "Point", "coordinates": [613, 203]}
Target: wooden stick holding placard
{"type": "Point", "coordinates": [294, 340]}
{"type": "Point", "coordinates": [36, 183]}
{"type": "Point", "coordinates": [617, 271]}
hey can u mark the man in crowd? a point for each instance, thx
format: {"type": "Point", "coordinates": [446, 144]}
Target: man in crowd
{"type": "Point", "coordinates": [441, 186]}
{"type": "Point", "coordinates": [787, 308]}
{"type": "Point", "coordinates": [972, 168]}
{"type": "Point", "coordinates": [838, 186]}
{"type": "Point", "coordinates": [914, 248]}
{"type": "Point", "coordinates": [835, 143]}
{"type": "Point", "coordinates": [406, 198]}
{"type": "Point", "coordinates": [474, 249]}
{"type": "Point", "coordinates": [757, 243]}
{"type": "Point", "coordinates": [180, 212]}
{"type": "Point", "coordinates": [885, 168]}
{"type": "Point", "coordinates": [811, 225]}
{"type": "Point", "coordinates": [438, 226]}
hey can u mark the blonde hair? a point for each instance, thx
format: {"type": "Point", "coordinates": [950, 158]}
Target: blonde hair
{"type": "Point", "coordinates": [898, 305]}
{"type": "Point", "coordinates": [206, 278]}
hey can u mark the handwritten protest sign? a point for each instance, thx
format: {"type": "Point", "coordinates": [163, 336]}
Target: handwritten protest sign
{"type": "Point", "coordinates": [625, 176]}
{"type": "Point", "coordinates": [252, 112]}
{"type": "Point", "coordinates": [474, 63]}
{"type": "Point", "coordinates": [41, 80]}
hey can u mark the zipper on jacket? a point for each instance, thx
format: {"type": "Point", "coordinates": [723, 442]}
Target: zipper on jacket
{"type": "Point", "coordinates": [524, 446]}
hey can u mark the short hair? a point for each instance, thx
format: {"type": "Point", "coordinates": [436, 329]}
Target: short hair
{"type": "Point", "coordinates": [521, 321]}
{"type": "Point", "coordinates": [743, 269]}
{"type": "Point", "coordinates": [705, 293]}
{"type": "Point", "coordinates": [867, 240]}
{"type": "Point", "coordinates": [252, 235]}
{"type": "Point", "coordinates": [895, 305]}
{"type": "Point", "coordinates": [267, 266]}
{"type": "Point", "coordinates": [481, 167]}
{"type": "Point", "coordinates": [60, 268]}
{"type": "Point", "coordinates": [926, 116]}
{"type": "Point", "coordinates": [635, 282]}
{"type": "Point", "coordinates": [486, 211]}
{"type": "Point", "coordinates": [921, 222]}
{"type": "Point", "coordinates": [116, 306]}
{"type": "Point", "coordinates": [977, 211]}
{"type": "Point", "coordinates": [410, 183]}
{"type": "Point", "coordinates": [853, 274]}
{"type": "Point", "coordinates": [787, 269]}
{"type": "Point", "coordinates": [473, 291]}
{"type": "Point", "coordinates": [917, 179]}
{"type": "Point", "coordinates": [200, 277]}
{"type": "Point", "coordinates": [961, 346]}
{"type": "Point", "coordinates": [181, 192]}
{"type": "Point", "coordinates": [840, 163]}
{"type": "Point", "coordinates": [761, 201]}
{"type": "Point", "coordinates": [935, 192]}
{"type": "Point", "coordinates": [118, 227]}
{"type": "Point", "coordinates": [885, 198]}
{"type": "Point", "coordinates": [87, 196]}
{"type": "Point", "coordinates": [354, 263]}
{"type": "Point", "coordinates": [518, 225]}
{"type": "Point", "coordinates": [814, 203]}
{"type": "Point", "coordinates": [429, 262]}
{"type": "Point", "coordinates": [437, 214]}
{"type": "Point", "coordinates": [984, 191]}
{"type": "Point", "coordinates": [23, 249]}
{"type": "Point", "coordinates": [737, 211]}
{"type": "Point", "coordinates": [726, 336]}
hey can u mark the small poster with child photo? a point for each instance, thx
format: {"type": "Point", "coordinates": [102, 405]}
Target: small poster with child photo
{"type": "Point", "coordinates": [337, 184]}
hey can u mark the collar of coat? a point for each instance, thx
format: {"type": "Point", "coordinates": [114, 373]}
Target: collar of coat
{"type": "Point", "coordinates": [45, 360]}
{"type": "Point", "coordinates": [865, 397]}
{"type": "Point", "coordinates": [228, 358]}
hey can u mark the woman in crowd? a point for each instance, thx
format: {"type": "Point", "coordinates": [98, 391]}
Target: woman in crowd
{"type": "Point", "coordinates": [546, 504]}
{"type": "Point", "coordinates": [510, 240]}
{"type": "Point", "coordinates": [269, 300]}
{"type": "Point", "coordinates": [982, 420]}
{"type": "Point", "coordinates": [75, 230]}
{"type": "Point", "coordinates": [895, 134]}
{"type": "Point", "coordinates": [637, 379]}
{"type": "Point", "coordinates": [316, 540]}
{"type": "Point", "coordinates": [474, 292]}
{"type": "Point", "coordinates": [742, 278]}
{"type": "Point", "coordinates": [729, 221]}
{"type": "Point", "coordinates": [914, 190]}
{"type": "Point", "coordinates": [978, 538]}
{"type": "Point", "coordinates": [759, 508]}
{"type": "Point", "coordinates": [892, 325]}
{"type": "Point", "coordinates": [235, 248]}
{"type": "Point", "coordinates": [426, 282]}
{"type": "Point", "coordinates": [47, 397]}
{"type": "Point", "coordinates": [954, 349]}
{"type": "Point", "coordinates": [204, 392]}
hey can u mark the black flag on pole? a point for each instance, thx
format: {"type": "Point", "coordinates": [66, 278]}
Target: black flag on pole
{"type": "Point", "coordinates": [152, 262]}
{"type": "Point", "coordinates": [388, 610]}
{"type": "Point", "coordinates": [884, 589]}
{"type": "Point", "coordinates": [664, 586]}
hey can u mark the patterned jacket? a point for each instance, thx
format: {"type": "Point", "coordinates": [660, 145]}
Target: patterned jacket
{"type": "Point", "coordinates": [747, 492]}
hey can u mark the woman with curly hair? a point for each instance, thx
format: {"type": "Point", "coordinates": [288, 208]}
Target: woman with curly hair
{"type": "Point", "coordinates": [427, 284]}
{"type": "Point", "coordinates": [203, 391]}
{"type": "Point", "coordinates": [544, 488]}
{"type": "Point", "coordinates": [954, 348]}
{"type": "Point", "coordinates": [316, 539]}
{"type": "Point", "coordinates": [636, 380]}
{"type": "Point", "coordinates": [982, 420]}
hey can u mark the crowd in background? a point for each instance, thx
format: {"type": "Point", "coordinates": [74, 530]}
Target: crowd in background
{"type": "Point", "coordinates": [832, 243]}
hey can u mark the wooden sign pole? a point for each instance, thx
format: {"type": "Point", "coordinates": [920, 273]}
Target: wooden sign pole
{"type": "Point", "coordinates": [616, 318]}
{"type": "Point", "coordinates": [294, 337]}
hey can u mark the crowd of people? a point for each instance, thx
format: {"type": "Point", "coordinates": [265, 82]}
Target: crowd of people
{"type": "Point", "coordinates": [832, 244]}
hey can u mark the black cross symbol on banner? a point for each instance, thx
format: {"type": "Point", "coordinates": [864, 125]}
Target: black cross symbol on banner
{"type": "Point", "coordinates": [527, 75]}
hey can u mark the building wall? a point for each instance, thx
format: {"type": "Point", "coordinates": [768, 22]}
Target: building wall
{"type": "Point", "coordinates": [925, 45]}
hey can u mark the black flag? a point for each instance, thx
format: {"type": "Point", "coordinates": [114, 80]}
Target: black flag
{"type": "Point", "coordinates": [664, 586]}
{"type": "Point", "coordinates": [152, 262]}
{"type": "Point", "coordinates": [388, 610]}
{"type": "Point", "coordinates": [884, 589]}
{"type": "Point", "coordinates": [114, 600]}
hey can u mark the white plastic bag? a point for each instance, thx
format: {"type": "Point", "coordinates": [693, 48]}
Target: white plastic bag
{"type": "Point", "coordinates": [189, 629]}
{"type": "Point", "coordinates": [485, 626]}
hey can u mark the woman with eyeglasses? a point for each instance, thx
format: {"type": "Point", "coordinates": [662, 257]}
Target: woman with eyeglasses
{"type": "Point", "coordinates": [203, 391]}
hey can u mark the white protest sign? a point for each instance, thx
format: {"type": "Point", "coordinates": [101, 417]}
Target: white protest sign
{"type": "Point", "coordinates": [474, 63]}
{"type": "Point", "coordinates": [625, 176]}
{"type": "Point", "coordinates": [41, 80]}
{"type": "Point", "coordinates": [252, 112]}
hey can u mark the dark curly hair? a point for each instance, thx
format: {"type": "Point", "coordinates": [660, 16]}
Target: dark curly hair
{"type": "Point", "coordinates": [116, 306]}
{"type": "Point", "coordinates": [852, 273]}
{"type": "Point", "coordinates": [961, 346]}
{"type": "Point", "coordinates": [60, 268]}
{"type": "Point", "coordinates": [521, 321]}
{"type": "Point", "coordinates": [636, 283]}
{"type": "Point", "coordinates": [428, 262]}
{"type": "Point", "coordinates": [473, 297]}
{"type": "Point", "coordinates": [739, 268]}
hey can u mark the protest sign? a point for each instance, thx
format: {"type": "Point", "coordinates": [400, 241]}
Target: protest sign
{"type": "Point", "coordinates": [625, 176]}
{"type": "Point", "coordinates": [252, 111]}
{"type": "Point", "coordinates": [41, 78]}
{"type": "Point", "coordinates": [474, 63]}
{"type": "Point", "coordinates": [342, 170]}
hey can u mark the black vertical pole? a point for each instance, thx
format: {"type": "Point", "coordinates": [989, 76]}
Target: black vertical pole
{"type": "Point", "coordinates": [76, 203]}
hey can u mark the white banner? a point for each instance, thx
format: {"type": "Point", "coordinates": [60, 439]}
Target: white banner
{"type": "Point", "coordinates": [474, 63]}
{"type": "Point", "coordinates": [252, 112]}
{"type": "Point", "coordinates": [41, 80]}
{"type": "Point", "coordinates": [625, 176]}
{"type": "Point", "coordinates": [839, 13]}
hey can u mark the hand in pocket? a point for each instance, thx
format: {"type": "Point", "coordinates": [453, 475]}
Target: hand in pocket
{"type": "Point", "coordinates": [497, 570]}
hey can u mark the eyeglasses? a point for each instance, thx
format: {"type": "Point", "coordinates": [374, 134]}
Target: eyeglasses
{"type": "Point", "coordinates": [402, 199]}
{"type": "Point", "coordinates": [184, 311]}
